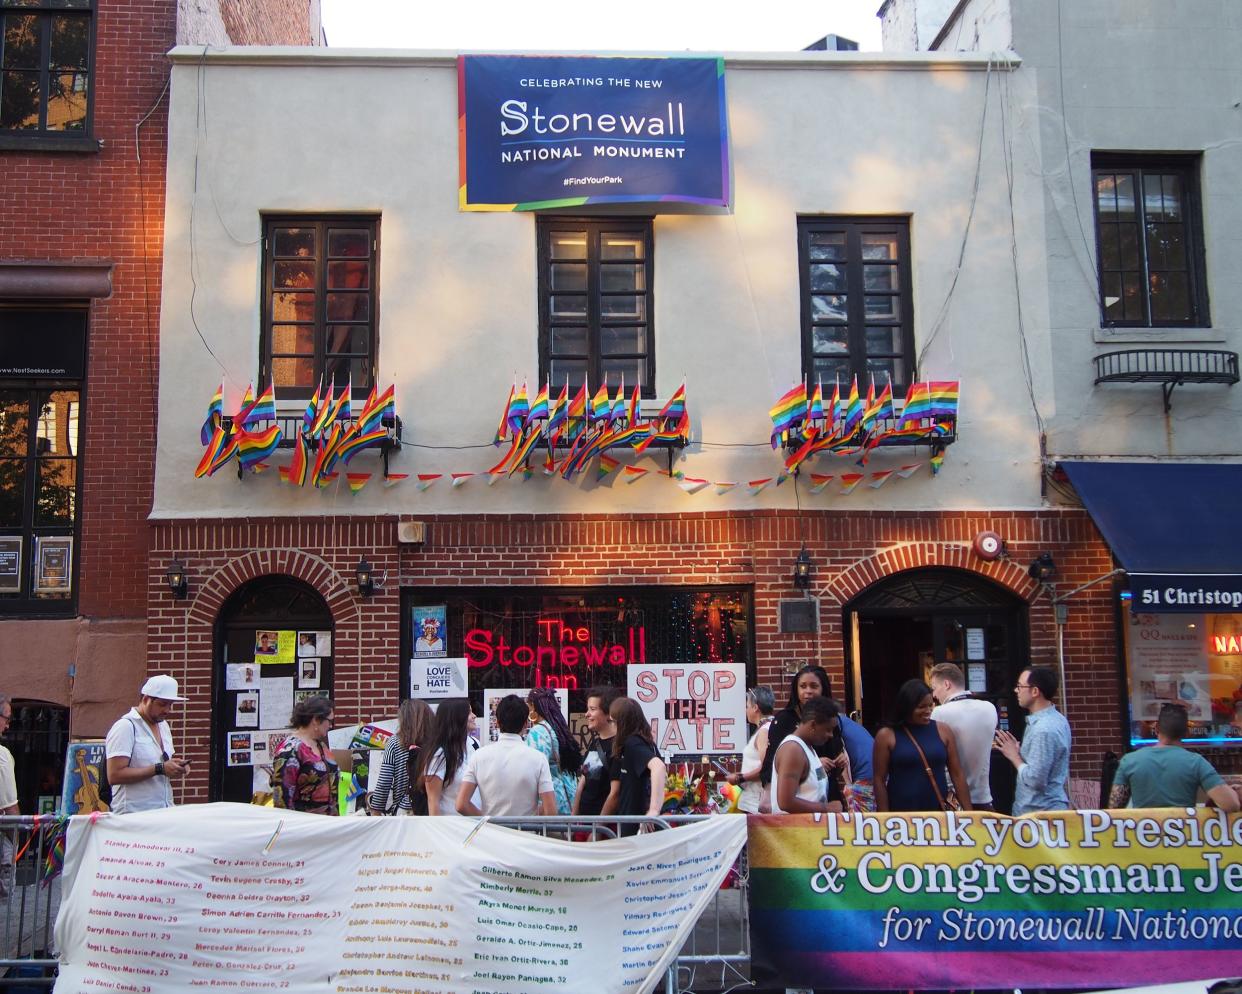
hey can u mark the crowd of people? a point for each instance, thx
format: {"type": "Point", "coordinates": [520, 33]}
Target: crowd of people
{"type": "Point", "coordinates": [934, 754]}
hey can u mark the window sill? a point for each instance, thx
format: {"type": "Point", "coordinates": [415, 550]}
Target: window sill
{"type": "Point", "coordinates": [1158, 335]}
{"type": "Point", "coordinates": [49, 143]}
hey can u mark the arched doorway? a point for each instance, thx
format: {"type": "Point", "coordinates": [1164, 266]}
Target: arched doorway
{"type": "Point", "coordinates": [273, 645]}
{"type": "Point", "coordinates": [38, 736]}
{"type": "Point", "coordinates": [906, 623]}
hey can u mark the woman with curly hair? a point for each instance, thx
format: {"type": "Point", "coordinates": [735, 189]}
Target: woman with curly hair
{"type": "Point", "coordinates": [549, 734]}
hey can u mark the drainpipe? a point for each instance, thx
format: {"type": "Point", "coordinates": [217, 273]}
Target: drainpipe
{"type": "Point", "coordinates": [1060, 614]}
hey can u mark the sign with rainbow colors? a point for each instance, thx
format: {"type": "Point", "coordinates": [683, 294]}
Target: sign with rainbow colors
{"type": "Point", "coordinates": [961, 900]}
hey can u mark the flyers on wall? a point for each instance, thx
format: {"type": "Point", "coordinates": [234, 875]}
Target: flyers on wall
{"type": "Point", "coordinates": [274, 646]}
{"type": "Point", "coordinates": [241, 676]}
{"type": "Point", "coordinates": [247, 709]}
{"type": "Point", "coordinates": [314, 644]}
{"type": "Point", "coordinates": [430, 630]}
{"type": "Point", "coordinates": [308, 673]}
{"type": "Point", "coordinates": [275, 701]}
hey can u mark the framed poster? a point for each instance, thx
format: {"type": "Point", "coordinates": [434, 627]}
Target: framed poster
{"type": "Point", "coordinates": [10, 564]}
{"type": "Point", "coordinates": [430, 631]}
{"type": "Point", "coordinates": [53, 563]}
{"type": "Point", "coordinates": [86, 778]}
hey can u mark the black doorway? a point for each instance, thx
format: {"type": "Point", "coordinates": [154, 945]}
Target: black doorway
{"type": "Point", "coordinates": [904, 625]}
{"type": "Point", "coordinates": [275, 605]}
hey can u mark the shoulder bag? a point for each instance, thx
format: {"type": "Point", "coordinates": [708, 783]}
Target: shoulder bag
{"type": "Point", "coordinates": [949, 803]}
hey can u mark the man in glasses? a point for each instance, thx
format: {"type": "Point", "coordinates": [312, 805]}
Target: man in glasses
{"type": "Point", "coordinates": [1042, 757]}
{"type": "Point", "coordinates": [141, 759]}
{"type": "Point", "coordinates": [1166, 775]}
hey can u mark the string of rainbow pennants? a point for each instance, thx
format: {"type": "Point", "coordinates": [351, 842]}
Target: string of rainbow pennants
{"type": "Point", "coordinates": [806, 425]}
{"type": "Point", "coordinates": [328, 435]}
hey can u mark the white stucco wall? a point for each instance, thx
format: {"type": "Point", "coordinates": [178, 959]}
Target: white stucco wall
{"type": "Point", "coordinates": [1137, 75]}
{"type": "Point", "coordinates": [279, 130]}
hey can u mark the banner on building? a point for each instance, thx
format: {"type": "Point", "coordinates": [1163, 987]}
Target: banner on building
{"type": "Point", "coordinates": [695, 709]}
{"type": "Point", "coordinates": [248, 898]}
{"type": "Point", "coordinates": [940, 901]}
{"type": "Point", "coordinates": [555, 131]}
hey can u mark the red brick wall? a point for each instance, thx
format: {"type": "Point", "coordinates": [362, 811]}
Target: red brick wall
{"type": "Point", "coordinates": [753, 548]}
{"type": "Point", "coordinates": [63, 206]}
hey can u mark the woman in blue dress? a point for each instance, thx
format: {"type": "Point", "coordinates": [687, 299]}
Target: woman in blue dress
{"type": "Point", "coordinates": [549, 733]}
{"type": "Point", "coordinates": [915, 758]}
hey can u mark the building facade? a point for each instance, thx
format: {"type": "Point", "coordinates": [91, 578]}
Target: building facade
{"type": "Point", "coordinates": [83, 135]}
{"type": "Point", "coordinates": [910, 242]}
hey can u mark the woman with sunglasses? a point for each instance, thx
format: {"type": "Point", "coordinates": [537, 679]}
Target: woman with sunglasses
{"type": "Point", "coordinates": [304, 774]}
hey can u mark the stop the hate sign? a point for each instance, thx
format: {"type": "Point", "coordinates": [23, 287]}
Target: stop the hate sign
{"type": "Point", "coordinates": [698, 709]}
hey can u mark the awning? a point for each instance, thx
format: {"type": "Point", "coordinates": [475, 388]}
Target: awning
{"type": "Point", "coordinates": [1176, 529]}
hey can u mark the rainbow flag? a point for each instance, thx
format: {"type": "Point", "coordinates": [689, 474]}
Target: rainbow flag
{"type": "Point", "coordinates": [936, 461]}
{"type": "Point", "coordinates": [724, 486]}
{"type": "Point", "coordinates": [879, 478]}
{"type": "Point", "coordinates": [460, 479]}
{"type": "Point", "coordinates": [493, 476]}
{"type": "Point", "coordinates": [247, 402]}
{"type": "Point", "coordinates": [908, 470]}
{"type": "Point", "coordinates": [943, 395]}
{"type": "Point", "coordinates": [347, 408]}
{"type": "Point", "coordinates": [300, 463]}
{"type": "Point", "coordinates": [539, 407]}
{"type": "Point", "coordinates": [392, 479]}
{"type": "Point", "coordinates": [758, 486]}
{"type": "Point", "coordinates": [815, 409]}
{"type": "Point", "coordinates": [675, 409]}
{"type": "Point", "coordinates": [324, 414]}
{"type": "Point", "coordinates": [502, 429]}
{"type": "Point", "coordinates": [632, 473]}
{"type": "Point", "coordinates": [787, 411]}
{"type": "Point", "coordinates": [312, 406]}
{"type": "Point", "coordinates": [635, 412]}
{"type": "Point", "coordinates": [882, 408]}
{"type": "Point", "coordinates": [691, 484]}
{"type": "Point", "coordinates": [618, 404]}
{"type": "Point", "coordinates": [357, 481]}
{"type": "Point", "coordinates": [377, 410]}
{"type": "Point", "coordinates": [559, 413]}
{"type": "Point", "coordinates": [578, 406]}
{"type": "Point", "coordinates": [355, 443]}
{"type": "Point", "coordinates": [220, 449]}
{"type": "Point", "coordinates": [425, 480]}
{"type": "Point", "coordinates": [519, 407]}
{"type": "Point", "coordinates": [254, 447]}
{"type": "Point", "coordinates": [607, 465]}
{"type": "Point", "coordinates": [834, 411]}
{"type": "Point", "coordinates": [263, 409]}
{"type": "Point", "coordinates": [601, 404]}
{"type": "Point", "coordinates": [796, 458]}
{"type": "Point", "coordinates": [215, 411]}
{"type": "Point", "coordinates": [917, 405]}
{"type": "Point", "coordinates": [853, 410]}
{"type": "Point", "coordinates": [523, 450]}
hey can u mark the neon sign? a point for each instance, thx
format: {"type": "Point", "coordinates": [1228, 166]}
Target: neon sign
{"type": "Point", "coordinates": [560, 647]}
{"type": "Point", "coordinates": [1227, 645]}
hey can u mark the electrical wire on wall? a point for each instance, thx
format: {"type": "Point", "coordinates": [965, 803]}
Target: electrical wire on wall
{"type": "Point", "coordinates": [151, 335]}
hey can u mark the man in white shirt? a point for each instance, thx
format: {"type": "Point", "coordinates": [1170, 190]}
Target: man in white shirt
{"type": "Point", "coordinates": [141, 760]}
{"type": "Point", "coordinates": [973, 722]}
{"type": "Point", "coordinates": [512, 778]}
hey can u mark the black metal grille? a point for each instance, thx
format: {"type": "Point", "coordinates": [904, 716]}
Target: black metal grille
{"type": "Point", "coordinates": [1167, 366]}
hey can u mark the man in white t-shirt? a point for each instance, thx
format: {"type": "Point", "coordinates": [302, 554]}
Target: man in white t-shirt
{"type": "Point", "coordinates": [141, 760]}
{"type": "Point", "coordinates": [973, 722]}
{"type": "Point", "coordinates": [513, 779]}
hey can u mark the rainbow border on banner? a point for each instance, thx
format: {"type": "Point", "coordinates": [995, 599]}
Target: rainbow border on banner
{"type": "Point", "coordinates": [813, 923]}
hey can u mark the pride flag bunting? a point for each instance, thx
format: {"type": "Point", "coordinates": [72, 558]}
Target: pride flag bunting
{"type": "Point", "coordinates": [819, 481]}
{"type": "Point", "coordinates": [425, 480]}
{"type": "Point", "coordinates": [632, 473]}
{"type": "Point", "coordinates": [460, 479]}
{"type": "Point", "coordinates": [724, 486]}
{"type": "Point", "coordinates": [851, 480]}
{"type": "Point", "coordinates": [357, 481]}
{"type": "Point", "coordinates": [215, 411]}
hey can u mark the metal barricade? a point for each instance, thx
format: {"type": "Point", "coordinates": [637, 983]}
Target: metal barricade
{"type": "Point", "coordinates": [716, 956]}
{"type": "Point", "coordinates": [27, 941]}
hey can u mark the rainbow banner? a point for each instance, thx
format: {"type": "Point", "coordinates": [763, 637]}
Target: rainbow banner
{"type": "Point", "coordinates": [1077, 899]}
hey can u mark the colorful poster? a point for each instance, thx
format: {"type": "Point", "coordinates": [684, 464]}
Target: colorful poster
{"type": "Point", "coordinates": [86, 779]}
{"type": "Point", "coordinates": [693, 709]}
{"type": "Point", "coordinates": [241, 749]}
{"type": "Point", "coordinates": [492, 696]}
{"type": "Point", "coordinates": [465, 906]}
{"type": "Point", "coordinates": [551, 131]}
{"type": "Point", "coordinates": [430, 629]}
{"type": "Point", "coordinates": [438, 679]}
{"type": "Point", "coordinates": [274, 647]}
{"type": "Point", "coordinates": [942, 901]}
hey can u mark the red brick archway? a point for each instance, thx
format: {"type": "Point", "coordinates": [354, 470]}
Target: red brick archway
{"type": "Point", "coordinates": [849, 583]}
{"type": "Point", "coordinates": [205, 607]}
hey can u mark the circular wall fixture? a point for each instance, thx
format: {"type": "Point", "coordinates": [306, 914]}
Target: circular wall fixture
{"type": "Point", "coordinates": [989, 546]}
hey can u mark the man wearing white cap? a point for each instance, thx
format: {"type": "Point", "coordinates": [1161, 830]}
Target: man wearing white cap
{"type": "Point", "coordinates": [141, 766]}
